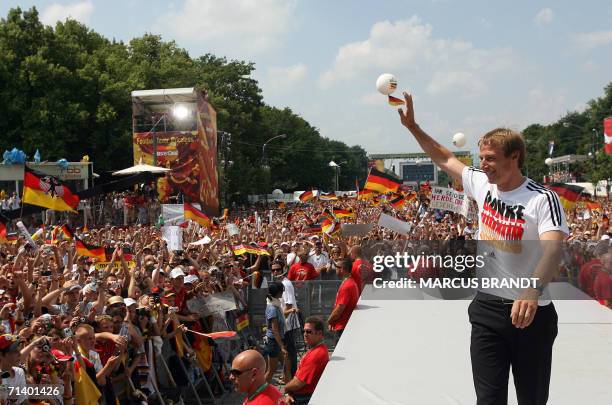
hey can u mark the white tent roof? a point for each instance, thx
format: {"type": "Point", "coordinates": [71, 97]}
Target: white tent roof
{"type": "Point", "coordinates": [140, 168]}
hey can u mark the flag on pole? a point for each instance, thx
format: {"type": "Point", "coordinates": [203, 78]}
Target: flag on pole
{"type": "Point", "coordinates": [191, 212]}
{"type": "Point", "coordinates": [551, 147]}
{"type": "Point", "coordinates": [568, 193]}
{"type": "Point", "coordinates": [306, 196]}
{"type": "Point", "coordinates": [608, 135]}
{"type": "Point", "coordinates": [85, 249]}
{"type": "Point", "coordinates": [47, 191]}
{"type": "Point", "coordinates": [382, 182]}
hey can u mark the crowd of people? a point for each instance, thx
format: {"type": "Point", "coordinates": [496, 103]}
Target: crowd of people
{"type": "Point", "coordinates": [65, 315]}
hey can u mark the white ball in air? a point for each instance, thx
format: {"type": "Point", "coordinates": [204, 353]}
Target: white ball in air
{"type": "Point", "coordinates": [386, 83]}
{"type": "Point", "coordinates": [459, 139]}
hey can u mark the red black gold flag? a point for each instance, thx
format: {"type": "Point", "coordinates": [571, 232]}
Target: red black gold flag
{"type": "Point", "coordinates": [342, 213]}
{"type": "Point", "coordinates": [191, 212]}
{"type": "Point", "coordinates": [365, 194]}
{"type": "Point", "coordinates": [47, 191]}
{"type": "Point", "coordinates": [568, 193]}
{"type": "Point", "coordinates": [68, 234]}
{"type": "Point", "coordinates": [85, 249]}
{"type": "Point", "coordinates": [382, 182]}
{"type": "Point", "coordinates": [331, 196]}
{"type": "Point", "coordinates": [306, 196]}
{"type": "Point", "coordinates": [398, 201]}
{"type": "Point", "coordinates": [242, 321]}
{"type": "Point", "coordinates": [3, 222]}
{"type": "Point", "coordinates": [394, 101]}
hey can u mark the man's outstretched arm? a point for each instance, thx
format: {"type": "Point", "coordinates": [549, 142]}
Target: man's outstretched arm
{"type": "Point", "coordinates": [441, 156]}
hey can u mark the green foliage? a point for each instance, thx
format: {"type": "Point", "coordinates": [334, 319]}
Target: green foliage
{"type": "Point", "coordinates": [576, 133]}
{"type": "Point", "coordinates": [66, 91]}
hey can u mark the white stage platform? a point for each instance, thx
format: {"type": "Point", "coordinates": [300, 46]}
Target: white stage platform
{"type": "Point", "coordinates": [417, 352]}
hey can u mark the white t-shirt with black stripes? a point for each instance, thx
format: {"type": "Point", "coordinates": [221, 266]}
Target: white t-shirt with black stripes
{"type": "Point", "coordinates": [513, 218]}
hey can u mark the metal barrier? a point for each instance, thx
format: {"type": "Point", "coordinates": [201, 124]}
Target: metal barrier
{"type": "Point", "coordinates": [315, 297]}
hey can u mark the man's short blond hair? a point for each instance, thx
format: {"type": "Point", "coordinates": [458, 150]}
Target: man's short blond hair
{"type": "Point", "coordinates": [508, 140]}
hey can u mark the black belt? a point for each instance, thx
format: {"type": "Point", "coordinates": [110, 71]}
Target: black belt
{"type": "Point", "coordinates": [494, 298]}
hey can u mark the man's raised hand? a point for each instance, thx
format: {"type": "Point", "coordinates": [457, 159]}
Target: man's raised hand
{"type": "Point", "coordinates": [407, 117]}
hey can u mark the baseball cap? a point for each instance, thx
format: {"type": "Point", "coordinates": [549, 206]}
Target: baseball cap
{"type": "Point", "coordinates": [116, 299]}
{"type": "Point", "coordinates": [8, 343]}
{"type": "Point", "coordinates": [61, 356]}
{"type": "Point", "coordinates": [605, 236]}
{"type": "Point", "coordinates": [177, 272]}
{"type": "Point", "coordinates": [190, 279]}
{"type": "Point", "coordinates": [74, 287]}
{"type": "Point", "coordinates": [129, 302]}
{"type": "Point", "coordinates": [90, 287]}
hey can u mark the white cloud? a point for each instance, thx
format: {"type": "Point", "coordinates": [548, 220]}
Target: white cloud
{"type": "Point", "coordinates": [408, 48]}
{"type": "Point", "coordinates": [232, 26]}
{"type": "Point", "coordinates": [544, 17]}
{"type": "Point", "coordinates": [80, 11]}
{"type": "Point", "coordinates": [282, 79]}
{"type": "Point", "coordinates": [545, 105]}
{"type": "Point", "coordinates": [590, 40]}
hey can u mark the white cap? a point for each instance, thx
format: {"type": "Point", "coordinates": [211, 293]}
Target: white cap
{"type": "Point", "coordinates": [605, 237]}
{"type": "Point", "coordinates": [190, 279]}
{"type": "Point", "coordinates": [129, 302]}
{"type": "Point", "coordinates": [177, 272]}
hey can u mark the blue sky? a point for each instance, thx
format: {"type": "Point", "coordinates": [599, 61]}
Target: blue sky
{"type": "Point", "coordinates": [471, 65]}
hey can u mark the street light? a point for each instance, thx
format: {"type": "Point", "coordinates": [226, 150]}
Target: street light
{"type": "Point", "coordinates": [263, 148]}
{"type": "Point", "coordinates": [336, 167]}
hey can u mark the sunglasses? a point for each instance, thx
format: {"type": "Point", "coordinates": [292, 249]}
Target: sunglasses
{"type": "Point", "coordinates": [309, 331]}
{"type": "Point", "coordinates": [238, 373]}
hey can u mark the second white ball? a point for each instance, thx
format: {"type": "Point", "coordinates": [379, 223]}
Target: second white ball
{"type": "Point", "coordinates": [459, 139]}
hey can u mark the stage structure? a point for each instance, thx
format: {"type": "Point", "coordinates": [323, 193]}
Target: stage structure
{"type": "Point", "coordinates": [413, 168]}
{"type": "Point", "coordinates": [177, 129]}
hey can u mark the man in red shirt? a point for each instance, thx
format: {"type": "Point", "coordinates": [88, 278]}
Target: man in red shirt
{"type": "Point", "coordinates": [312, 365]}
{"type": "Point", "coordinates": [248, 374]}
{"type": "Point", "coordinates": [302, 271]}
{"type": "Point", "coordinates": [346, 298]}
{"type": "Point", "coordinates": [362, 270]}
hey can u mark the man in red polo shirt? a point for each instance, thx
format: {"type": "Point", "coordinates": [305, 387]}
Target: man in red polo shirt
{"type": "Point", "coordinates": [302, 271]}
{"type": "Point", "coordinates": [346, 298]}
{"type": "Point", "coordinates": [302, 386]}
{"type": "Point", "coordinates": [362, 270]}
{"type": "Point", "coordinates": [248, 374]}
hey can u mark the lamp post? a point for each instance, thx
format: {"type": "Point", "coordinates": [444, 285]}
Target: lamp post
{"type": "Point", "coordinates": [263, 148]}
{"type": "Point", "coordinates": [226, 140]}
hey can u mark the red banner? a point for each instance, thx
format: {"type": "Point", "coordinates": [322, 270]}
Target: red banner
{"type": "Point", "coordinates": [608, 134]}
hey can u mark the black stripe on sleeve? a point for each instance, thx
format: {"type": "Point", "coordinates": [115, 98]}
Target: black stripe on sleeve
{"type": "Point", "coordinates": [553, 212]}
{"type": "Point", "coordinates": [554, 196]}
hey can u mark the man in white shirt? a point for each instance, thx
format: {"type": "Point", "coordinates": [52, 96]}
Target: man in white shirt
{"type": "Point", "coordinates": [9, 358]}
{"type": "Point", "coordinates": [318, 258]}
{"type": "Point", "coordinates": [509, 328]}
{"type": "Point", "coordinates": [290, 310]}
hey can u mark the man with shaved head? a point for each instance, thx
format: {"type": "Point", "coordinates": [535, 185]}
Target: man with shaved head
{"type": "Point", "coordinates": [248, 374]}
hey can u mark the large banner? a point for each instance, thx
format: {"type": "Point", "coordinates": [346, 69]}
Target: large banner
{"type": "Point", "coordinates": [191, 155]}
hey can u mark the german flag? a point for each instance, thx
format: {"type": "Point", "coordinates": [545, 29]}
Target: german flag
{"type": "Point", "coordinates": [592, 205]}
{"type": "Point", "coordinates": [398, 201]}
{"type": "Point", "coordinates": [365, 194]}
{"type": "Point", "coordinates": [394, 101]}
{"type": "Point", "coordinates": [568, 194]}
{"type": "Point", "coordinates": [313, 228]}
{"type": "Point", "coordinates": [382, 182]}
{"type": "Point", "coordinates": [239, 250]}
{"type": "Point", "coordinates": [326, 214]}
{"type": "Point", "coordinates": [68, 234]}
{"type": "Point", "coordinates": [306, 196]}
{"type": "Point", "coordinates": [86, 392]}
{"type": "Point", "coordinates": [342, 213]}
{"type": "Point", "coordinates": [328, 196]}
{"type": "Point", "coordinates": [330, 227]}
{"type": "Point", "coordinates": [47, 191]}
{"type": "Point", "coordinates": [54, 233]}
{"type": "Point", "coordinates": [85, 249]}
{"type": "Point", "coordinates": [257, 251]}
{"type": "Point", "coordinates": [191, 212]}
{"type": "Point", "coordinates": [242, 321]}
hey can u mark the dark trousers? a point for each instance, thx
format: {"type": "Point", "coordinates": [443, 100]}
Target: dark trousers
{"type": "Point", "coordinates": [496, 345]}
{"type": "Point", "coordinates": [289, 341]}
